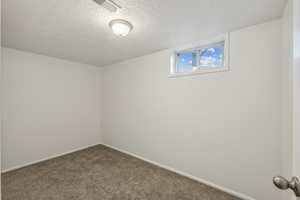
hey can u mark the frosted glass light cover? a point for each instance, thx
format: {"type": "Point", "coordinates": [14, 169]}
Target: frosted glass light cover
{"type": "Point", "coordinates": [120, 27]}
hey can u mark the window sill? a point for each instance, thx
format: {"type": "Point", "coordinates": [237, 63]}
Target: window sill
{"type": "Point", "coordinates": [198, 72]}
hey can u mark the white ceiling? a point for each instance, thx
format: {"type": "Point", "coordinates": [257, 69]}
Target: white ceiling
{"type": "Point", "coordinates": [78, 29]}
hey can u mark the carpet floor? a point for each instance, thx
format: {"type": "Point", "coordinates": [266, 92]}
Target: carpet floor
{"type": "Point", "coordinates": [101, 173]}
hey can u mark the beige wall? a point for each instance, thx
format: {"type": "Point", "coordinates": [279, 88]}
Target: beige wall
{"type": "Point", "coordinates": [51, 106]}
{"type": "Point", "coordinates": [222, 127]}
{"type": "Point", "coordinates": [287, 107]}
{"type": "Point", "coordinates": [296, 87]}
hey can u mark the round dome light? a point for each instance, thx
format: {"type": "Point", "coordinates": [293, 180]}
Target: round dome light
{"type": "Point", "coordinates": [120, 27]}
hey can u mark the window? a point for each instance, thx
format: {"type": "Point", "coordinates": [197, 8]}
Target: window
{"type": "Point", "coordinates": [212, 57]}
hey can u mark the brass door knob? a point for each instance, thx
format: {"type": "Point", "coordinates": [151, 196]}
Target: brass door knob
{"type": "Point", "coordinates": [283, 184]}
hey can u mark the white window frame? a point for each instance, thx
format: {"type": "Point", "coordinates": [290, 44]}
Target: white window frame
{"type": "Point", "coordinates": [197, 46]}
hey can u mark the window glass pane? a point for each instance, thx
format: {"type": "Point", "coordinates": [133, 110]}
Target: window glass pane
{"type": "Point", "coordinates": [212, 57]}
{"type": "Point", "coordinates": [186, 61]}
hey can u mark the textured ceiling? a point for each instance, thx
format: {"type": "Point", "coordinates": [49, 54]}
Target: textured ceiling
{"type": "Point", "coordinates": [78, 29]}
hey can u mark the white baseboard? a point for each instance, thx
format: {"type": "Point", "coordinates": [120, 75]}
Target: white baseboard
{"type": "Point", "coordinates": [47, 158]}
{"type": "Point", "coordinates": [229, 191]}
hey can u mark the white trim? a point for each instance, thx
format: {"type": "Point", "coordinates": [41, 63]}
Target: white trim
{"type": "Point", "coordinates": [226, 190]}
{"type": "Point", "coordinates": [198, 72]}
{"type": "Point", "coordinates": [196, 45]}
{"type": "Point", "coordinates": [47, 158]}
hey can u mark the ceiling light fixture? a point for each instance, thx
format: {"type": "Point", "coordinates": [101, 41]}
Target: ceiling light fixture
{"type": "Point", "coordinates": [120, 27]}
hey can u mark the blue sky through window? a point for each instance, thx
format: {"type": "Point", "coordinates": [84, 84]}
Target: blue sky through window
{"type": "Point", "coordinates": [212, 57]}
{"type": "Point", "coordinates": [186, 61]}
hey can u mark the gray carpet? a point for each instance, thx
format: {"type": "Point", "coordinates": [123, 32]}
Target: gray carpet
{"type": "Point", "coordinates": [101, 173]}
